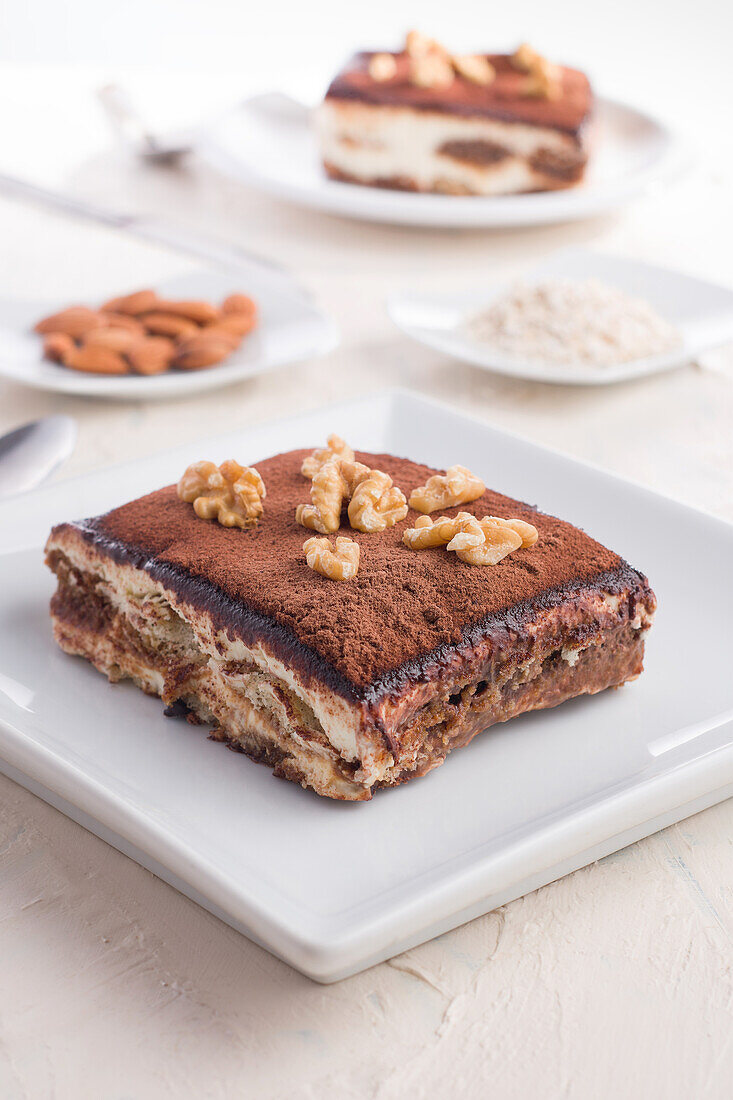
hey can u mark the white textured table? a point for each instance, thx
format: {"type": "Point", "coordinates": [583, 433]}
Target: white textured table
{"type": "Point", "coordinates": [614, 982]}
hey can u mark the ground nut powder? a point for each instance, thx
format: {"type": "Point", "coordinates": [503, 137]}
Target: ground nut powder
{"type": "Point", "coordinates": [573, 321]}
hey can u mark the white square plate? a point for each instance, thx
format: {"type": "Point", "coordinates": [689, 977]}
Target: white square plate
{"type": "Point", "coordinates": [269, 142]}
{"type": "Point", "coordinates": [335, 887]}
{"type": "Point", "coordinates": [702, 312]}
{"type": "Point", "coordinates": [290, 328]}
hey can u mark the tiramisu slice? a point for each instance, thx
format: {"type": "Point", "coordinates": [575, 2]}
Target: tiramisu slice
{"type": "Point", "coordinates": [319, 625]}
{"type": "Point", "coordinates": [423, 119]}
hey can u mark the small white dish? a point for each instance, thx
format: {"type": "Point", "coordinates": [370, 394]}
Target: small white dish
{"type": "Point", "coordinates": [335, 887]}
{"type": "Point", "coordinates": [269, 143]}
{"type": "Point", "coordinates": [290, 328]}
{"type": "Point", "coordinates": [701, 311]}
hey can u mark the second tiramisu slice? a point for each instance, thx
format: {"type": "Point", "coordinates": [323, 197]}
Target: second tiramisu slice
{"type": "Point", "coordinates": [423, 119]}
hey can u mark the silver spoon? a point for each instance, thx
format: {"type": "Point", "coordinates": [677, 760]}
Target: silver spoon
{"type": "Point", "coordinates": [30, 453]}
{"type": "Point", "coordinates": [128, 124]}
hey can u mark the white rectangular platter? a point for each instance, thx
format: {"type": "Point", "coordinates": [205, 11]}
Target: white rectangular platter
{"type": "Point", "coordinates": [335, 887]}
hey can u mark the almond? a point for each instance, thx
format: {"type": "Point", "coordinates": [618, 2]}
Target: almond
{"type": "Point", "coordinates": [224, 332]}
{"type": "Point", "coordinates": [141, 301]}
{"type": "Point", "coordinates": [116, 339]}
{"type": "Point", "coordinates": [95, 360]}
{"type": "Point", "coordinates": [239, 303]}
{"type": "Point", "coordinates": [203, 313]}
{"type": "Point", "coordinates": [73, 322]}
{"type": "Point", "coordinates": [123, 320]}
{"type": "Point", "coordinates": [56, 345]}
{"type": "Point", "coordinates": [238, 323]}
{"type": "Point", "coordinates": [151, 355]}
{"type": "Point", "coordinates": [168, 324]}
{"type": "Point", "coordinates": [203, 350]}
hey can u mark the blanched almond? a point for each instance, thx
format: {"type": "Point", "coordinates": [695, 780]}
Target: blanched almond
{"type": "Point", "coordinates": [141, 301]}
{"type": "Point", "coordinates": [73, 322]}
{"type": "Point", "coordinates": [116, 339]}
{"type": "Point", "coordinates": [95, 360]}
{"type": "Point", "coordinates": [151, 355]}
{"type": "Point", "coordinates": [56, 345]}
{"type": "Point", "coordinates": [203, 313]}
{"type": "Point", "coordinates": [168, 324]}
{"type": "Point", "coordinates": [204, 350]}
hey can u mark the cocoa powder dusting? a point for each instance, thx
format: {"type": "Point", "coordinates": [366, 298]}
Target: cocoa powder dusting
{"type": "Point", "coordinates": [504, 98]}
{"type": "Point", "coordinates": [402, 604]}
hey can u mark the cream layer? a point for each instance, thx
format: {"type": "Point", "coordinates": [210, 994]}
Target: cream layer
{"type": "Point", "coordinates": [373, 143]}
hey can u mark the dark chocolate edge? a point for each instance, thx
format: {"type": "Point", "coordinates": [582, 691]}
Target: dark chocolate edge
{"type": "Point", "coordinates": [239, 621]}
{"type": "Point", "coordinates": [339, 89]}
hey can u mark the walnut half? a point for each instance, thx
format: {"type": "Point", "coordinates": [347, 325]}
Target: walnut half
{"type": "Point", "coordinates": [230, 493]}
{"type": "Point", "coordinates": [339, 563]}
{"type": "Point", "coordinates": [328, 489]}
{"type": "Point", "coordinates": [476, 541]}
{"type": "Point", "coordinates": [382, 67]}
{"type": "Point", "coordinates": [427, 533]}
{"type": "Point", "coordinates": [335, 448]}
{"type": "Point", "coordinates": [375, 503]}
{"type": "Point", "coordinates": [475, 68]}
{"type": "Point", "coordinates": [456, 486]}
{"type": "Point", "coordinates": [544, 79]}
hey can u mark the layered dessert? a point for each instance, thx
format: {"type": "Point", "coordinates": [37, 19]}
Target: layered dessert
{"type": "Point", "coordinates": [423, 119]}
{"type": "Point", "coordinates": [347, 619]}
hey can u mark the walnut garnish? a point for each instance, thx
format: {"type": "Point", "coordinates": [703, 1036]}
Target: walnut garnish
{"type": "Point", "coordinates": [382, 67]}
{"type": "Point", "coordinates": [544, 79]}
{"type": "Point", "coordinates": [375, 502]}
{"type": "Point", "coordinates": [431, 71]}
{"type": "Point", "coordinates": [474, 67]}
{"type": "Point", "coordinates": [525, 57]}
{"type": "Point", "coordinates": [328, 489]}
{"type": "Point", "coordinates": [430, 62]}
{"type": "Point", "coordinates": [476, 541]}
{"type": "Point", "coordinates": [335, 448]}
{"type": "Point", "coordinates": [468, 533]}
{"type": "Point", "coordinates": [419, 45]}
{"type": "Point", "coordinates": [340, 563]}
{"type": "Point", "coordinates": [456, 486]}
{"type": "Point", "coordinates": [526, 531]}
{"type": "Point", "coordinates": [455, 532]}
{"type": "Point", "coordinates": [427, 533]}
{"type": "Point", "coordinates": [230, 493]}
{"type": "Point", "coordinates": [496, 540]}
{"type": "Point", "coordinates": [433, 66]}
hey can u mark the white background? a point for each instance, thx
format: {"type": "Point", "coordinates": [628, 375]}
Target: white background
{"type": "Point", "coordinates": [616, 981]}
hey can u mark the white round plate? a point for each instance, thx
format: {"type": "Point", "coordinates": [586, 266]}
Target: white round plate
{"type": "Point", "coordinates": [269, 143]}
{"type": "Point", "coordinates": [701, 311]}
{"type": "Point", "coordinates": [290, 328]}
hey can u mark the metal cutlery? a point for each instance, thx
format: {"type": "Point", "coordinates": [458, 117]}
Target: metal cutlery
{"type": "Point", "coordinates": [30, 453]}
